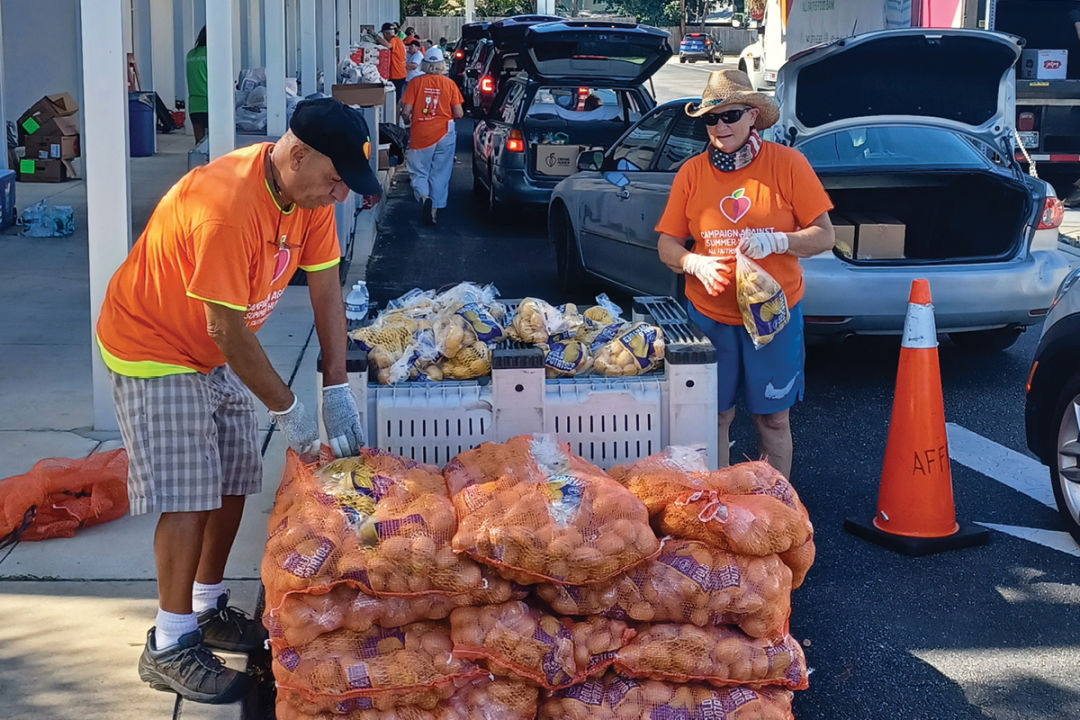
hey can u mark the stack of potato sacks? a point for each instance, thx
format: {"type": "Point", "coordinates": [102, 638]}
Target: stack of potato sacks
{"type": "Point", "coordinates": [526, 582]}
{"type": "Point", "coordinates": [619, 624]}
{"type": "Point", "coordinates": [360, 582]}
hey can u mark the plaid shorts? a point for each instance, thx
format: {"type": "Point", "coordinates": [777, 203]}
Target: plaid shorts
{"type": "Point", "coordinates": [190, 439]}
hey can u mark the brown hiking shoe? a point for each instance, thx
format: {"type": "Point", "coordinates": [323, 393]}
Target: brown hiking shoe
{"type": "Point", "coordinates": [230, 628]}
{"type": "Point", "coordinates": [190, 670]}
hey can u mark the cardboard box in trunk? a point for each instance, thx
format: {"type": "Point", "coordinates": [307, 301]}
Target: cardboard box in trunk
{"type": "Point", "coordinates": [57, 140]}
{"type": "Point", "coordinates": [845, 234]}
{"type": "Point", "coordinates": [1044, 64]}
{"type": "Point", "coordinates": [878, 237]}
{"type": "Point", "coordinates": [360, 94]}
{"type": "Point", "coordinates": [557, 160]}
{"type": "Point", "coordinates": [39, 115]}
{"type": "Point", "coordinates": [46, 171]}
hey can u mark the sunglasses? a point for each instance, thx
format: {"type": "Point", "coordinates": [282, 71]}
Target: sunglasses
{"type": "Point", "coordinates": [728, 117]}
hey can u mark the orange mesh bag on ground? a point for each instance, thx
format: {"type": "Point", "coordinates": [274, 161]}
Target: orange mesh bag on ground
{"type": "Point", "coordinates": [381, 522]}
{"type": "Point", "coordinates": [304, 616]}
{"type": "Point", "coordinates": [552, 518]}
{"type": "Point", "coordinates": [378, 669]}
{"type": "Point", "coordinates": [479, 698]}
{"type": "Point", "coordinates": [613, 697]}
{"type": "Point", "coordinates": [530, 643]}
{"type": "Point", "coordinates": [688, 582]}
{"type": "Point", "coordinates": [60, 495]}
{"type": "Point", "coordinates": [745, 524]}
{"type": "Point", "coordinates": [799, 559]}
{"type": "Point", "coordinates": [515, 457]}
{"type": "Point", "coordinates": [720, 655]}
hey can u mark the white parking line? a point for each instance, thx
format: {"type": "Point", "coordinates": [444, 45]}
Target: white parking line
{"type": "Point", "coordinates": [1021, 473]}
{"type": "Point", "coordinates": [1015, 470]}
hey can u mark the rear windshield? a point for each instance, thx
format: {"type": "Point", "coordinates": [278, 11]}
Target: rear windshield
{"type": "Point", "coordinates": [892, 146]}
{"type": "Point", "coordinates": [560, 54]}
{"type": "Point", "coordinates": [584, 104]}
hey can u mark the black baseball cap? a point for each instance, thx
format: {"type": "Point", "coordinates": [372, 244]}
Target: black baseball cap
{"type": "Point", "coordinates": [388, 26]}
{"type": "Point", "coordinates": [339, 132]}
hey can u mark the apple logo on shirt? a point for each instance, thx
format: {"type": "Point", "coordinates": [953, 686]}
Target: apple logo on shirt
{"type": "Point", "coordinates": [735, 206]}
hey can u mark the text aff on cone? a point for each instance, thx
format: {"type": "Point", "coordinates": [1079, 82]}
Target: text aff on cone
{"type": "Point", "coordinates": [915, 511]}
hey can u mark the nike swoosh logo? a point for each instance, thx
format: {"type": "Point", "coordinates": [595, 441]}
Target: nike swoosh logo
{"type": "Point", "coordinates": [774, 393]}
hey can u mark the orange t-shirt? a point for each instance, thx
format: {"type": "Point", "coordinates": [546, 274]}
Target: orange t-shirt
{"type": "Point", "coordinates": [432, 98]}
{"type": "Point", "coordinates": [778, 191]}
{"type": "Point", "coordinates": [218, 236]}
{"type": "Point", "coordinates": [397, 58]}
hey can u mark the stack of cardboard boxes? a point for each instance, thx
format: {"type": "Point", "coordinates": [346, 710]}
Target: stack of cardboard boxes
{"type": "Point", "coordinates": [49, 132]}
{"type": "Point", "coordinates": [863, 236]}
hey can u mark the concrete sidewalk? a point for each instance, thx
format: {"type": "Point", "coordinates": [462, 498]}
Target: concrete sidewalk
{"type": "Point", "coordinates": [77, 610]}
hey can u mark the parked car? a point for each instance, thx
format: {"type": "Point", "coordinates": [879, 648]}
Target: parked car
{"type": "Point", "coordinates": [471, 34]}
{"type": "Point", "coordinates": [496, 59]}
{"type": "Point", "coordinates": [931, 149]}
{"type": "Point", "coordinates": [1052, 413]}
{"type": "Point", "coordinates": [700, 46]}
{"type": "Point", "coordinates": [581, 88]}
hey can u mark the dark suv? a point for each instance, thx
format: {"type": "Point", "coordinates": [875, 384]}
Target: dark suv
{"type": "Point", "coordinates": [471, 35]}
{"type": "Point", "coordinates": [495, 59]}
{"type": "Point", "coordinates": [581, 88]}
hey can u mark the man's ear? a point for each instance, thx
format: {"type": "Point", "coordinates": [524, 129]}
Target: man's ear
{"type": "Point", "coordinates": [297, 153]}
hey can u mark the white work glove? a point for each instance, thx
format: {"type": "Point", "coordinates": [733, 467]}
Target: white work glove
{"type": "Point", "coordinates": [763, 243]}
{"type": "Point", "coordinates": [713, 272]}
{"type": "Point", "coordinates": [342, 420]}
{"type": "Point", "coordinates": [300, 430]}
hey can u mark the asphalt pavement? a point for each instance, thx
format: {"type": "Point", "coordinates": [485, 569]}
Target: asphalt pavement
{"type": "Point", "coordinates": [990, 632]}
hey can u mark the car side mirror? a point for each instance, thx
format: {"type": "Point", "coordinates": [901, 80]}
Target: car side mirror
{"type": "Point", "coordinates": [590, 160]}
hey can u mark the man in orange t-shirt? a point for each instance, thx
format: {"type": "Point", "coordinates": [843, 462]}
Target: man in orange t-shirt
{"type": "Point", "coordinates": [388, 38]}
{"type": "Point", "coordinates": [431, 103]}
{"type": "Point", "coordinates": [177, 333]}
{"type": "Point", "coordinates": [763, 200]}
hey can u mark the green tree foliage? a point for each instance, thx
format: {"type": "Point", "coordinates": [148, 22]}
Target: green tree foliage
{"type": "Point", "coordinates": [664, 13]}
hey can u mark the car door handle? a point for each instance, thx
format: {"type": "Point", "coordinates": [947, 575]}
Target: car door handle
{"type": "Point", "coordinates": [624, 194]}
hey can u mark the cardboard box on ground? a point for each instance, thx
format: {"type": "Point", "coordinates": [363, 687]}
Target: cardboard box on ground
{"type": "Point", "coordinates": [49, 133]}
{"type": "Point", "coordinates": [864, 236]}
{"type": "Point", "coordinates": [360, 94]}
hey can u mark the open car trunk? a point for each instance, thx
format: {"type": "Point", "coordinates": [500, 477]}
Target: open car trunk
{"type": "Point", "coordinates": [553, 141]}
{"type": "Point", "coordinates": [948, 218]}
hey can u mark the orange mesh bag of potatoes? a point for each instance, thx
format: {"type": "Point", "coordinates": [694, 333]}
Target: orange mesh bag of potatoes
{"type": "Point", "coordinates": [304, 616]}
{"type": "Point", "coordinates": [377, 520]}
{"type": "Point", "coordinates": [490, 461]}
{"type": "Point", "coordinates": [389, 668]}
{"type": "Point", "coordinates": [553, 519]}
{"type": "Point", "coordinates": [688, 582]}
{"type": "Point", "coordinates": [479, 698]}
{"type": "Point", "coordinates": [533, 644]}
{"type": "Point", "coordinates": [613, 697]}
{"type": "Point", "coordinates": [720, 655]}
{"type": "Point", "coordinates": [745, 524]}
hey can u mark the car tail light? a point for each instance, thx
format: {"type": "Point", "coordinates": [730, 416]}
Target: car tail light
{"type": "Point", "coordinates": [1025, 121]}
{"type": "Point", "coordinates": [1053, 213]}
{"type": "Point", "coordinates": [458, 54]}
{"type": "Point", "coordinates": [515, 142]}
{"type": "Point", "coordinates": [487, 84]}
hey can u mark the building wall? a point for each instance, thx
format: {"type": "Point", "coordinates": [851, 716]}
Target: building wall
{"type": "Point", "coordinates": [42, 52]}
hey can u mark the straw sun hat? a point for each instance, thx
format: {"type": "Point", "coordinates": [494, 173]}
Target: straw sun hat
{"type": "Point", "coordinates": [732, 87]}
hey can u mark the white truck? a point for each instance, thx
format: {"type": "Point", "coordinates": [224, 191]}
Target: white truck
{"type": "Point", "coordinates": [791, 26]}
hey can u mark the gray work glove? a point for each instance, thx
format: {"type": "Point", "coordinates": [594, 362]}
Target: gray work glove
{"type": "Point", "coordinates": [342, 421]}
{"type": "Point", "coordinates": [300, 429]}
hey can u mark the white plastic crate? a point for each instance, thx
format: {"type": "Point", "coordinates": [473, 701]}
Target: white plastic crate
{"type": "Point", "coordinates": [605, 420]}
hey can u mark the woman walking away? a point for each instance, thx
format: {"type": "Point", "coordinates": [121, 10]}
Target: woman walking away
{"type": "Point", "coordinates": [763, 200]}
{"type": "Point", "coordinates": [431, 104]}
{"type": "Point", "coordinates": [196, 86]}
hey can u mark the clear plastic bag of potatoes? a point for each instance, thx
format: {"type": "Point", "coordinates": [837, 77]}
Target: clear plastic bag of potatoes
{"type": "Point", "coordinates": [762, 301]}
{"type": "Point", "coordinates": [636, 349]}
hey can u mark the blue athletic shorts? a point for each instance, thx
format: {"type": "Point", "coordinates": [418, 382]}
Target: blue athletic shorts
{"type": "Point", "coordinates": [772, 378]}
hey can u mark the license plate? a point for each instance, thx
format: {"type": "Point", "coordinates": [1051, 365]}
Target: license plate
{"type": "Point", "coordinates": [770, 76]}
{"type": "Point", "coordinates": [1029, 138]}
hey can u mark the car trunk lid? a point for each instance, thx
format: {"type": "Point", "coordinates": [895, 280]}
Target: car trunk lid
{"type": "Point", "coordinates": [956, 78]}
{"type": "Point", "coordinates": [509, 34]}
{"type": "Point", "coordinates": [588, 52]}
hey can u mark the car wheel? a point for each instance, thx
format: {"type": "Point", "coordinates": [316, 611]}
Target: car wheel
{"type": "Point", "coordinates": [570, 274]}
{"type": "Point", "coordinates": [682, 60]}
{"type": "Point", "coordinates": [1064, 431]}
{"type": "Point", "coordinates": [986, 341]}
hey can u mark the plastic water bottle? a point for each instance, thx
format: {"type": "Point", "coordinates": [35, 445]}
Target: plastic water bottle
{"type": "Point", "coordinates": [356, 302]}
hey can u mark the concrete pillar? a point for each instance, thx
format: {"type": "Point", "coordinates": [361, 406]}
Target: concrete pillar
{"type": "Point", "coordinates": [292, 35]}
{"type": "Point", "coordinates": [143, 42]}
{"type": "Point", "coordinates": [308, 49]}
{"type": "Point", "coordinates": [275, 67]}
{"type": "Point", "coordinates": [237, 36]}
{"type": "Point", "coordinates": [219, 77]}
{"type": "Point", "coordinates": [255, 56]}
{"type": "Point", "coordinates": [105, 150]}
{"type": "Point", "coordinates": [242, 18]}
{"type": "Point", "coordinates": [344, 29]}
{"type": "Point", "coordinates": [3, 109]}
{"type": "Point", "coordinates": [357, 19]}
{"type": "Point", "coordinates": [328, 44]}
{"type": "Point", "coordinates": [164, 81]}
{"type": "Point", "coordinates": [470, 10]}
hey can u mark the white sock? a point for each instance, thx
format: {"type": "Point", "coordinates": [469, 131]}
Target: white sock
{"type": "Point", "coordinates": [205, 597]}
{"type": "Point", "coordinates": [170, 626]}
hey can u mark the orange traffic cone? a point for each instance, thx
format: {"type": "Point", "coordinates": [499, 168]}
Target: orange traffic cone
{"type": "Point", "coordinates": [915, 512]}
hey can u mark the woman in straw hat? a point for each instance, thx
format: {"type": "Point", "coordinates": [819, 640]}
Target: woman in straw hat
{"type": "Point", "coordinates": [764, 200]}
